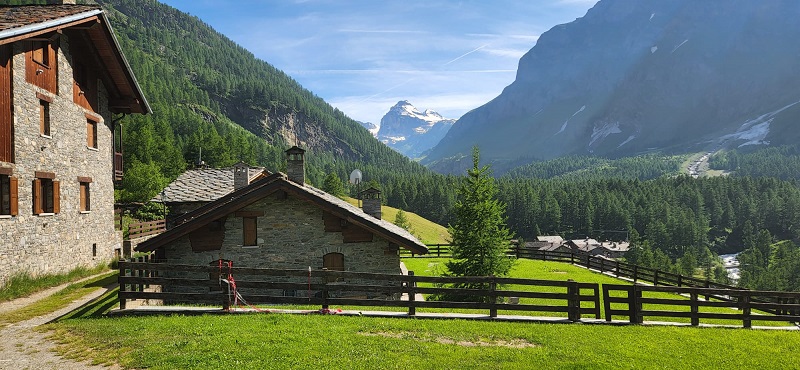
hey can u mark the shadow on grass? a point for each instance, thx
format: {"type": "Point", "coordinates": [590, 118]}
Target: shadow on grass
{"type": "Point", "coordinates": [97, 307]}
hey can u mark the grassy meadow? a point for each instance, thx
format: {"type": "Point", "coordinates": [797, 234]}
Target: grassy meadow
{"type": "Point", "coordinates": [428, 232]}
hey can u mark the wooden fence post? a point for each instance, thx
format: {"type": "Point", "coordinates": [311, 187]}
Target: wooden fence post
{"type": "Point", "coordinates": [695, 310]}
{"type": "Point", "coordinates": [325, 289]}
{"type": "Point", "coordinates": [635, 273]}
{"type": "Point", "coordinates": [607, 303]}
{"type": "Point", "coordinates": [744, 303]}
{"type": "Point", "coordinates": [412, 309]}
{"type": "Point", "coordinates": [493, 297]}
{"type": "Point", "coordinates": [617, 267]}
{"type": "Point", "coordinates": [655, 278]}
{"type": "Point", "coordinates": [573, 303]}
{"type": "Point", "coordinates": [635, 305]}
{"type": "Point", "coordinates": [121, 285]}
{"type": "Point", "coordinates": [572, 258]}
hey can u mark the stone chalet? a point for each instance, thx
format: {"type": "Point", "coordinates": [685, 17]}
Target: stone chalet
{"type": "Point", "coordinates": [64, 86]}
{"type": "Point", "coordinates": [595, 248]}
{"type": "Point", "coordinates": [278, 221]}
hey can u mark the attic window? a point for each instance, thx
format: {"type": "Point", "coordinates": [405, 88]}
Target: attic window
{"type": "Point", "coordinates": [41, 53]}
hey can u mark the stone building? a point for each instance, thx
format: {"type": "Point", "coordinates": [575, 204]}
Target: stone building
{"type": "Point", "coordinates": [278, 221]}
{"type": "Point", "coordinates": [64, 86]}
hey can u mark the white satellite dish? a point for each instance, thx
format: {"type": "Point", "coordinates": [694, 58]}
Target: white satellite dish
{"type": "Point", "coordinates": [355, 177]}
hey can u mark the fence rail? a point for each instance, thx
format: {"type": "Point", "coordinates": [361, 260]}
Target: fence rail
{"type": "Point", "coordinates": [143, 278]}
{"type": "Point", "coordinates": [141, 229]}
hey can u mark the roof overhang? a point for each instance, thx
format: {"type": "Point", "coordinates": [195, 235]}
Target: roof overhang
{"type": "Point", "coordinates": [131, 99]}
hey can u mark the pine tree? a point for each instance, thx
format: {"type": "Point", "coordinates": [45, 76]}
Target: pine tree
{"type": "Point", "coordinates": [480, 236]}
{"type": "Point", "coordinates": [333, 185]}
{"type": "Point", "coordinates": [401, 220]}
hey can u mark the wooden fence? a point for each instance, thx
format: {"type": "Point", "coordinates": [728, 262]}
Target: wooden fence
{"type": "Point", "coordinates": [141, 229]}
{"type": "Point", "coordinates": [783, 305]}
{"type": "Point", "coordinates": [142, 279]}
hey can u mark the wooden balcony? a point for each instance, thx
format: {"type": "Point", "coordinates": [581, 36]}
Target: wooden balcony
{"type": "Point", "coordinates": [118, 172]}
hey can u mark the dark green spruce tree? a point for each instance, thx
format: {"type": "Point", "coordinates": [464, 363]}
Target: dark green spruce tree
{"type": "Point", "coordinates": [479, 235]}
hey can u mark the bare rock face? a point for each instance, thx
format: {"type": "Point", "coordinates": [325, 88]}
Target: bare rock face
{"type": "Point", "coordinates": [639, 75]}
{"type": "Point", "coordinates": [411, 132]}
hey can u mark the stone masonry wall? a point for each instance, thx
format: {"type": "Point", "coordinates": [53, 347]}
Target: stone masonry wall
{"type": "Point", "coordinates": [57, 243]}
{"type": "Point", "coordinates": [291, 235]}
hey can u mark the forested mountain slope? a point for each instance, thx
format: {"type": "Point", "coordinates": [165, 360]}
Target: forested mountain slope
{"type": "Point", "coordinates": [209, 94]}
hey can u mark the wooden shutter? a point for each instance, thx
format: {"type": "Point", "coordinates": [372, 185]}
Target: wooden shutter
{"type": "Point", "coordinates": [56, 197]}
{"type": "Point", "coordinates": [82, 192]}
{"type": "Point", "coordinates": [14, 196]}
{"type": "Point", "coordinates": [37, 197]}
{"type": "Point", "coordinates": [6, 141]}
{"type": "Point", "coordinates": [249, 230]}
{"type": "Point", "coordinates": [333, 261]}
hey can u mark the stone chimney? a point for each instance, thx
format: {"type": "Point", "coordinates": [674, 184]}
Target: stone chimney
{"type": "Point", "coordinates": [241, 175]}
{"type": "Point", "coordinates": [372, 202]}
{"type": "Point", "coordinates": [295, 165]}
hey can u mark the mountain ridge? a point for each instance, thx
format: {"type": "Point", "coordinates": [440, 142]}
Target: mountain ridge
{"type": "Point", "coordinates": [411, 132]}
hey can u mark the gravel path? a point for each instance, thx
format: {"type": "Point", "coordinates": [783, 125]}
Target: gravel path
{"type": "Point", "coordinates": [22, 347]}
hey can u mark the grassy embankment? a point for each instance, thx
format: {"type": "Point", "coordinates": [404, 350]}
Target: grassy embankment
{"type": "Point", "coordinates": [427, 231]}
{"type": "Point", "coordinates": [23, 285]}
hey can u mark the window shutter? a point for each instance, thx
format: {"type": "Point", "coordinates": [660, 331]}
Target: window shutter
{"type": "Point", "coordinates": [249, 228]}
{"type": "Point", "coordinates": [82, 192]}
{"type": "Point", "coordinates": [14, 197]}
{"type": "Point", "coordinates": [37, 197]}
{"type": "Point", "coordinates": [56, 197]}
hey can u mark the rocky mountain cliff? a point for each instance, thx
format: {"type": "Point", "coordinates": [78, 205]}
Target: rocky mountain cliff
{"type": "Point", "coordinates": [634, 76]}
{"type": "Point", "coordinates": [411, 132]}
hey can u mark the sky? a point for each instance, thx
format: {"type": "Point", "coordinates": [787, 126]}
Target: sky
{"type": "Point", "coordinates": [363, 56]}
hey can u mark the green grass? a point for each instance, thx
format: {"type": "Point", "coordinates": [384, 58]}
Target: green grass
{"type": "Point", "coordinates": [276, 341]}
{"type": "Point", "coordinates": [427, 231]}
{"type": "Point", "coordinates": [59, 299]}
{"type": "Point", "coordinates": [23, 285]}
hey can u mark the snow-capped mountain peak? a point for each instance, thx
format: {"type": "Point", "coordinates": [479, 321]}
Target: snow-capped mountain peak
{"type": "Point", "coordinates": [411, 132]}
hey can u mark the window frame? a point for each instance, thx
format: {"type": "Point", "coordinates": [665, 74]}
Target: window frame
{"type": "Point", "coordinates": [9, 194]}
{"type": "Point", "coordinates": [46, 194]}
{"type": "Point", "coordinates": [91, 133]}
{"type": "Point", "coordinates": [249, 231]}
{"type": "Point", "coordinates": [84, 194]}
{"type": "Point", "coordinates": [42, 49]}
{"type": "Point", "coordinates": [45, 127]}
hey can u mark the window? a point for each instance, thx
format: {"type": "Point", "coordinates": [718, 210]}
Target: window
{"type": "Point", "coordinates": [249, 230]}
{"type": "Point", "coordinates": [91, 134]}
{"type": "Point", "coordinates": [85, 195]}
{"type": "Point", "coordinates": [8, 195]}
{"type": "Point", "coordinates": [41, 53]}
{"type": "Point", "coordinates": [44, 117]}
{"type": "Point", "coordinates": [333, 261]}
{"type": "Point", "coordinates": [46, 194]}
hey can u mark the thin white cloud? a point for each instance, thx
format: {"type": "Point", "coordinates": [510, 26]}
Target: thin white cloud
{"type": "Point", "coordinates": [383, 31]}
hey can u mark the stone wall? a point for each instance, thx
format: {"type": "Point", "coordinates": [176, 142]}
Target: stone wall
{"type": "Point", "coordinates": [57, 243]}
{"type": "Point", "coordinates": [291, 235]}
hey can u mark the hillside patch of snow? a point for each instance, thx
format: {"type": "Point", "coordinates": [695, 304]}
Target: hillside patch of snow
{"type": "Point", "coordinates": [626, 140]}
{"type": "Point", "coordinates": [653, 49]}
{"type": "Point", "coordinates": [679, 45]}
{"type": "Point", "coordinates": [564, 126]}
{"type": "Point", "coordinates": [603, 132]}
{"type": "Point", "coordinates": [652, 15]}
{"type": "Point", "coordinates": [754, 131]}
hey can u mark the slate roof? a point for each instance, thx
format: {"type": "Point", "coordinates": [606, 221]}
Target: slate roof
{"type": "Point", "coordinates": [19, 16]}
{"type": "Point", "coordinates": [550, 239]}
{"type": "Point", "coordinates": [263, 187]}
{"type": "Point", "coordinates": [203, 185]}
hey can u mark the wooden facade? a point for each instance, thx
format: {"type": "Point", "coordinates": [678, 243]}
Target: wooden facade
{"type": "Point", "coordinates": [6, 107]}
{"type": "Point", "coordinates": [41, 64]}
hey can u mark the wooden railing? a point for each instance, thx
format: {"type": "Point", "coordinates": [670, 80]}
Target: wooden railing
{"type": "Point", "coordinates": [144, 279]}
{"type": "Point", "coordinates": [187, 283]}
{"type": "Point", "coordinates": [783, 305]}
{"type": "Point", "coordinates": [118, 218]}
{"type": "Point", "coordinates": [118, 170]}
{"type": "Point", "coordinates": [141, 229]}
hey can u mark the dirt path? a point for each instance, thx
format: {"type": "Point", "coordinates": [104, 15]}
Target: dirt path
{"type": "Point", "coordinates": [22, 347]}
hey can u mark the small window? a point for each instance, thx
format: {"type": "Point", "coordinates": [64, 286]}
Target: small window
{"type": "Point", "coordinates": [41, 53]}
{"type": "Point", "coordinates": [44, 117]}
{"type": "Point", "coordinates": [46, 195]}
{"type": "Point", "coordinates": [249, 226]}
{"type": "Point", "coordinates": [8, 195]}
{"type": "Point", "coordinates": [91, 134]}
{"type": "Point", "coordinates": [333, 261]}
{"type": "Point", "coordinates": [85, 196]}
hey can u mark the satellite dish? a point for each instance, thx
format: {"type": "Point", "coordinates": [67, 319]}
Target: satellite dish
{"type": "Point", "coordinates": [355, 177]}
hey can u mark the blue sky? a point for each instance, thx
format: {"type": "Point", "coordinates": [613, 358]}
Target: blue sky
{"type": "Point", "coordinates": [362, 56]}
